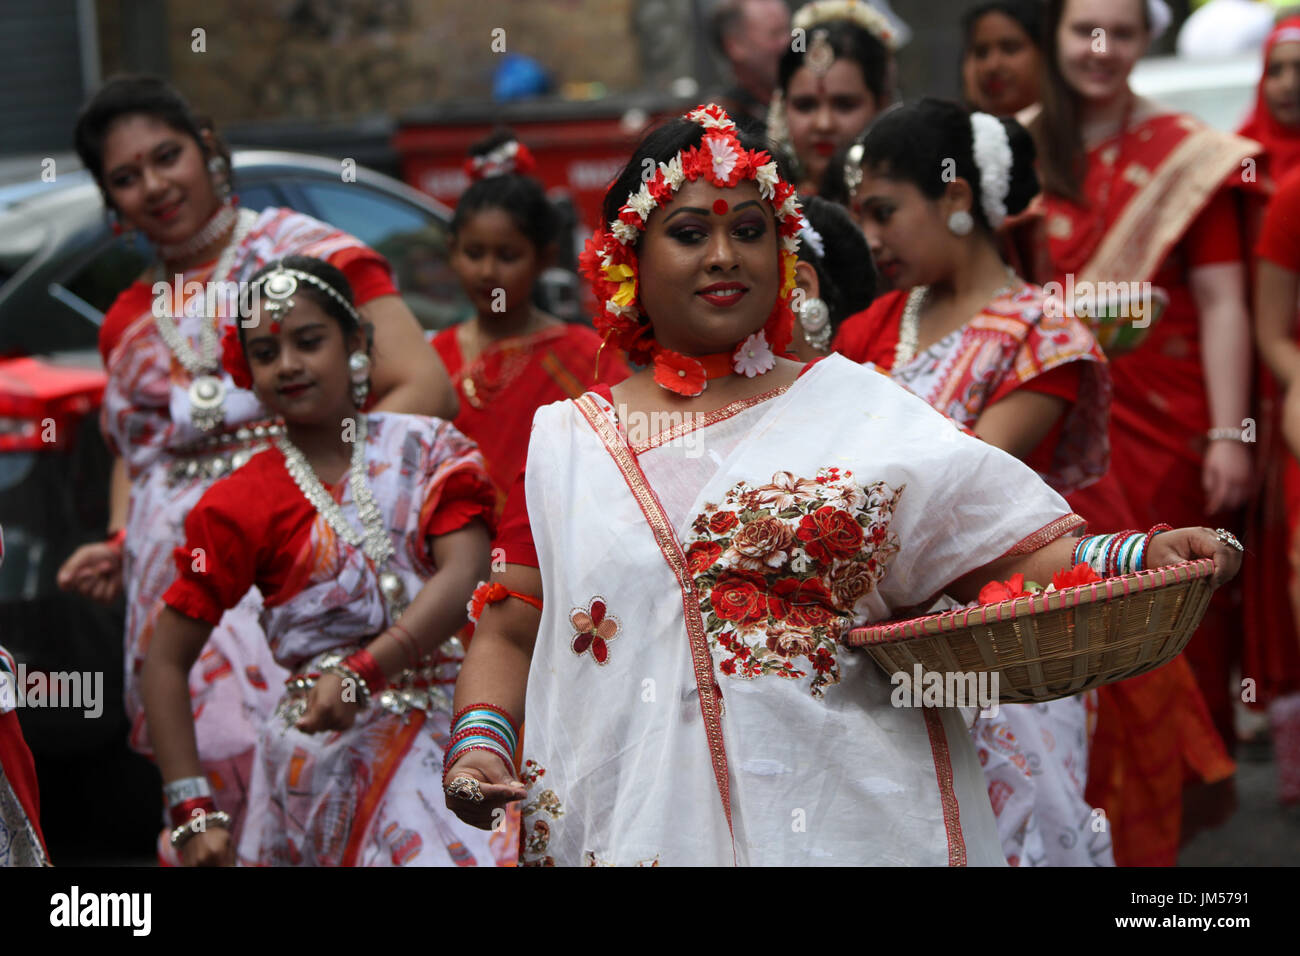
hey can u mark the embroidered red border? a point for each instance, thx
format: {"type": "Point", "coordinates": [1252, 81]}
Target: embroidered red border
{"type": "Point", "coordinates": [947, 793]}
{"type": "Point", "coordinates": [1045, 535]}
{"type": "Point", "coordinates": [672, 551]}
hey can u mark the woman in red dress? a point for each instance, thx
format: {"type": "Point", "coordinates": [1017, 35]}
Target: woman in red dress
{"type": "Point", "coordinates": [1271, 639]}
{"type": "Point", "coordinates": [21, 841]}
{"type": "Point", "coordinates": [511, 358]}
{"type": "Point", "coordinates": [1140, 210]}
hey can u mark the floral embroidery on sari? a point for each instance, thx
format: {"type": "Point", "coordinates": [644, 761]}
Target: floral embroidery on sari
{"type": "Point", "coordinates": [535, 834]}
{"type": "Point", "coordinates": [595, 628]}
{"type": "Point", "coordinates": [780, 567]}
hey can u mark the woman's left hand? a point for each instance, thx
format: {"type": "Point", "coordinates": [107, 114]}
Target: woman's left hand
{"type": "Point", "coordinates": [1225, 476]}
{"type": "Point", "coordinates": [330, 705]}
{"type": "Point", "coordinates": [1189, 544]}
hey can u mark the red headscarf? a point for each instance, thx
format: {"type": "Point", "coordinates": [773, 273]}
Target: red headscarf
{"type": "Point", "coordinates": [1281, 143]}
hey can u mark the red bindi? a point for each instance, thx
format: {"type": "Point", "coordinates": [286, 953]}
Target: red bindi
{"type": "Point", "coordinates": [720, 207]}
{"type": "Point", "coordinates": [275, 328]}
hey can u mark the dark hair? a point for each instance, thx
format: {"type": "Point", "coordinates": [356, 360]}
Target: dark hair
{"type": "Point", "coordinates": [661, 145]}
{"type": "Point", "coordinates": [846, 274]}
{"type": "Point", "coordinates": [520, 196]}
{"type": "Point", "coordinates": [914, 144]}
{"type": "Point", "coordinates": [848, 41]}
{"type": "Point", "coordinates": [328, 304]}
{"type": "Point", "coordinates": [1056, 128]}
{"type": "Point", "coordinates": [1027, 13]}
{"type": "Point", "coordinates": [131, 95]}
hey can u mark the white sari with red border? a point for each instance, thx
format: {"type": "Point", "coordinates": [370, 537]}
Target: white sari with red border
{"type": "Point", "coordinates": [688, 702]}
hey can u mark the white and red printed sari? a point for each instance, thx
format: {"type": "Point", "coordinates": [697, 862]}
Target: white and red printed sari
{"type": "Point", "coordinates": [370, 795]}
{"type": "Point", "coordinates": [688, 701]}
{"type": "Point", "coordinates": [146, 421]}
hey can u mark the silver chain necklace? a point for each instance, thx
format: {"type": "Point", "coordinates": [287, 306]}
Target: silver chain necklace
{"type": "Point", "coordinates": [375, 541]}
{"type": "Point", "coordinates": [207, 392]}
{"type": "Point", "coordinates": [909, 329]}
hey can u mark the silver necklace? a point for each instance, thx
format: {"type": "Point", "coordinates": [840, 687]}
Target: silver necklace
{"type": "Point", "coordinates": [909, 329]}
{"type": "Point", "coordinates": [374, 542]}
{"type": "Point", "coordinates": [207, 392]}
{"type": "Point", "coordinates": [221, 220]}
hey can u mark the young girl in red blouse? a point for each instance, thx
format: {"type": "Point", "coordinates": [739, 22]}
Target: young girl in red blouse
{"type": "Point", "coordinates": [512, 358]}
{"type": "Point", "coordinates": [365, 535]}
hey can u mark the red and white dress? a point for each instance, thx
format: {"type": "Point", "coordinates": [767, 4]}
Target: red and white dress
{"type": "Point", "coordinates": [370, 795]}
{"type": "Point", "coordinates": [1035, 756]}
{"type": "Point", "coordinates": [146, 421]}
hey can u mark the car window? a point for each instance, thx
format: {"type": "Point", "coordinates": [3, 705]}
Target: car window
{"type": "Point", "coordinates": [258, 196]}
{"type": "Point", "coordinates": [113, 267]}
{"type": "Point", "coordinates": [414, 241]}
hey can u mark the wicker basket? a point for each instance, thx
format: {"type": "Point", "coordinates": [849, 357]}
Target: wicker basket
{"type": "Point", "coordinates": [1054, 645]}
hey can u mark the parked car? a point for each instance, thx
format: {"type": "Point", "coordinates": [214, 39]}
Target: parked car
{"type": "Point", "coordinates": [1220, 91]}
{"type": "Point", "coordinates": [60, 269]}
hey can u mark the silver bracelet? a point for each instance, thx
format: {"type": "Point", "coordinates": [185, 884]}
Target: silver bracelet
{"type": "Point", "coordinates": [1227, 433]}
{"type": "Point", "coordinates": [187, 788]}
{"type": "Point", "coordinates": [198, 824]}
{"type": "Point", "coordinates": [348, 674]}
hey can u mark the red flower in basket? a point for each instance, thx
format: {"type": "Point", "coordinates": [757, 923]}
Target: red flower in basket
{"type": "Point", "coordinates": [1075, 576]}
{"type": "Point", "coordinates": [594, 629]}
{"type": "Point", "coordinates": [233, 360]}
{"type": "Point", "coordinates": [995, 592]}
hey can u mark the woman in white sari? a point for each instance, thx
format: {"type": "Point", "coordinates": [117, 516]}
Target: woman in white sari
{"type": "Point", "coordinates": [702, 535]}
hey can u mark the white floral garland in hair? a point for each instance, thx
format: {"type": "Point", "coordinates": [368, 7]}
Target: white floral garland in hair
{"type": "Point", "coordinates": [993, 158]}
{"type": "Point", "coordinates": [814, 238]}
{"type": "Point", "coordinates": [858, 11]}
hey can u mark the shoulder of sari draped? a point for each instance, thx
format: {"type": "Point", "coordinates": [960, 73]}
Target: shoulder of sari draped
{"type": "Point", "coordinates": [872, 334]}
{"type": "Point", "coordinates": [133, 304]}
{"type": "Point", "coordinates": [1173, 164]}
{"type": "Point", "coordinates": [280, 232]}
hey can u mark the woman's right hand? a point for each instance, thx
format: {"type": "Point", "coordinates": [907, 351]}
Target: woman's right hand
{"type": "Point", "coordinates": [211, 847]}
{"type": "Point", "coordinates": [94, 571]}
{"type": "Point", "coordinates": [498, 787]}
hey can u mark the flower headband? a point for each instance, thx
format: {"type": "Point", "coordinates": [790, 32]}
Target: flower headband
{"type": "Point", "coordinates": [610, 259]}
{"type": "Point", "coordinates": [511, 157]}
{"type": "Point", "coordinates": [991, 148]}
{"type": "Point", "coordinates": [278, 286]}
{"type": "Point", "coordinates": [856, 11]}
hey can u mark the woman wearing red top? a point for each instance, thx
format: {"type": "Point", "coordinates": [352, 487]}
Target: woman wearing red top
{"type": "Point", "coordinates": [511, 358]}
{"type": "Point", "coordinates": [175, 421]}
{"type": "Point", "coordinates": [1139, 208]}
{"type": "Point", "coordinates": [1273, 656]}
{"type": "Point", "coordinates": [21, 841]}
{"type": "Point", "coordinates": [1020, 374]}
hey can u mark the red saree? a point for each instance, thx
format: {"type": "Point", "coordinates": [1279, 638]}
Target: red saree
{"type": "Point", "coordinates": [502, 388]}
{"type": "Point", "coordinates": [1159, 206]}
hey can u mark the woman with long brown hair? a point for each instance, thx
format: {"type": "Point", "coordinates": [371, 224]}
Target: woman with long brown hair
{"type": "Point", "coordinates": [1143, 229]}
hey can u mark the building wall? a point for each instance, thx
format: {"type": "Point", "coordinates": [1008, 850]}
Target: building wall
{"type": "Point", "coordinates": [339, 59]}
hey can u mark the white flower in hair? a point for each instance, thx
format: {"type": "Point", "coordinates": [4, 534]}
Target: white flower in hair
{"type": "Point", "coordinates": [790, 207]}
{"type": "Point", "coordinates": [814, 239]}
{"type": "Point", "coordinates": [790, 244]}
{"type": "Point", "coordinates": [623, 232]}
{"type": "Point", "coordinates": [724, 156]}
{"type": "Point", "coordinates": [993, 157]}
{"type": "Point", "coordinates": [754, 356]}
{"type": "Point", "coordinates": [766, 177]}
{"type": "Point", "coordinates": [672, 171]}
{"type": "Point", "coordinates": [709, 121]}
{"type": "Point", "coordinates": [642, 202]}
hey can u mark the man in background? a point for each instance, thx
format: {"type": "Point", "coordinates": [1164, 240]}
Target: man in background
{"type": "Point", "coordinates": [751, 35]}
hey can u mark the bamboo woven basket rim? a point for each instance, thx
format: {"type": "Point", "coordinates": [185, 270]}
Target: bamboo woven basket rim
{"type": "Point", "coordinates": [951, 622]}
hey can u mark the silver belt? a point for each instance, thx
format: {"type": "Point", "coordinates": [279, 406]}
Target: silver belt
{"type": "Point", "coordinates": [219, 455]}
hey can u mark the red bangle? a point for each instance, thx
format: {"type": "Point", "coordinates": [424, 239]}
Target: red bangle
{"type": "Point", "coordinates": [477, 730]}
{"type": "Point", "coordinates": [117, 540]}
{"type": "Point", "coordinates": [364, 665]}
{"type": "Point", "coordinates": [514, 724]}
{"type": "Point", "coordinates": [183, 812]}
{"type": "Point", "coordinates": [402, 635]}
{"type": "Point", "coordinates": [496, 753]}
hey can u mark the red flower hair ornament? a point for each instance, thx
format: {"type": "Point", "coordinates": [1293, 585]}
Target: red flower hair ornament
{"type": "Point", "coordinates": [610, 259]}
{"type": "Point", "coordinates": [233, 359]}
{"type": "Point", "coordinates": [511, 157]}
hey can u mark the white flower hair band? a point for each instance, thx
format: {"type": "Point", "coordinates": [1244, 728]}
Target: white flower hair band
{"type": "Point", "coordinates": [993, 159]}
